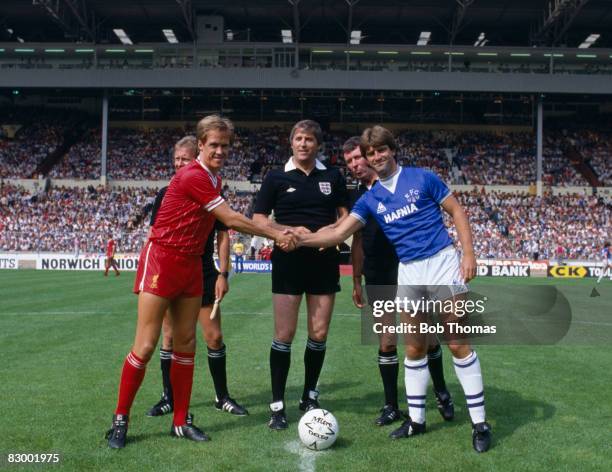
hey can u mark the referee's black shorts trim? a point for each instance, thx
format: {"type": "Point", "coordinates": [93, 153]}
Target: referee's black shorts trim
{"type": "Point", "coordinates": [210, 280]}
{"type": "Point", "coordinates": [306, 270]}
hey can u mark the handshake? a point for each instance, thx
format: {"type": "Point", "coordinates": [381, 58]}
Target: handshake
{"type": "Point", "coordinates": [292, 238]}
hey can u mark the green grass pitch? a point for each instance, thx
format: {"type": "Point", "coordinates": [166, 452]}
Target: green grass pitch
{"type": "Point", "coordinates": [65, 335]}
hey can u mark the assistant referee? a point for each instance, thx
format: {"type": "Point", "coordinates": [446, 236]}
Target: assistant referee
{"type": "Point", "coordinates": [308, 196]}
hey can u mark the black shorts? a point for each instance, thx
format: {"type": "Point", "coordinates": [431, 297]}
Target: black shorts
{"type": "Point", "coordinates": [210, 279]}
{"type": "Point", "coordinates": [381, 282]}
{"type": "Point", "coordinates": [306, 270]}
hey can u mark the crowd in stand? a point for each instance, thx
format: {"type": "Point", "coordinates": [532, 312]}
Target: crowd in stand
{"type": "Point", "coordinates": [132, 154]}
{"type": "Point", "coordinates": [505, 225]}
{"type": "Point", "coordinates": [82, 161]}
{"type": "Point", "coordinates": [81, 220]}
{"type": "Point", "coordinates": [596, 149]}
{"type": "Point", "coordinates": [20, 156]}
{"type": "Point", "coordinates": [473, 158]}
{"type": "Point", "coordinates": [512, 225]}
{"type": "Point", "coordinates": [510, 159]}
{"type": "Point", "coordinates": [78, 220]}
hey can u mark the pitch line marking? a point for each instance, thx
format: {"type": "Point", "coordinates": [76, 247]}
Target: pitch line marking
{"type": "Point", "coordinates": [307, 458]}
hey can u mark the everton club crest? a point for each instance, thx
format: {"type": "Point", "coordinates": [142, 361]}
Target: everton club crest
{"type": "Point", "coordinates": [325, 188]}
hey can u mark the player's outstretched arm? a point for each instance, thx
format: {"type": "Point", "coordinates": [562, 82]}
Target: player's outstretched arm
{"type": "Point", "coordinates": [331, 236]}
{"type": "Point", "coordinates": [342, 215]}
{"type": "Point", "coordinates": [239, 222]}
{"type": "Point", "coordinates": [265, 220]}
{"type": "Point", "coordinates": [464, 233]}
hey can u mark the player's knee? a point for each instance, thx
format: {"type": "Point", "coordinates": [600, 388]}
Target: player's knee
{"type": "Point", "coordinates": [318, 335]}
{"type": "Point", "coordinates": [214, 340]}
{"type": "Point", "coordinates": [460, 351]}
{"type": "Point", "coordinates": [144, 350]}
{"type": "Point", "coordinates": [387, 346]}
{"type": "Point", "coordinates": [186, 342]}
{"type": "Point", "coordinates": [167, 341]}
{"type": "Point", "coordinates": [415, 352]}
{"type": "Point", "coordinates": [284, 335]}
{"type": "Point", "coordinates": [318, 332]}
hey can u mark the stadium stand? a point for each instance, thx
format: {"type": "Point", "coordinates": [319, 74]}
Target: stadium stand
{"type": "Point", "coordinates": [72, 219]}
{"type": "Point", "coordinates": [512, 225]}
{"type": "Point", "coordinates": [505, 225]}
{"type": "Point", "coordinates": [79, 220]}
{"type": "Point", "coordinates": [472, 158]}
{"type": "Point", "coordinates": [20, 157]}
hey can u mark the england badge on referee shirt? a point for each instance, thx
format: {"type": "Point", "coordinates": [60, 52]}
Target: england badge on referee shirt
{"type": "Point", "coordinates": [325, 188]}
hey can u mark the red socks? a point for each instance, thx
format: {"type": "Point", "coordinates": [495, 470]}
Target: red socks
{"type": "Point", "coordinates": [131, 377]}
{"type": "Point", "coordinates": [181, 378]}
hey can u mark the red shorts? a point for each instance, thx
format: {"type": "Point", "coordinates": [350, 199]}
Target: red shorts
{"type": "Point", "coordinates": [168, 274]}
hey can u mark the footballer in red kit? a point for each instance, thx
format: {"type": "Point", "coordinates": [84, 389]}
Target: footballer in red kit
{"type": "Point", "coordinates": [111, 247]}
{"type": "Point", "coordinates": [181, 229]}
{"type": "Point", "coordinates": [170, 276]}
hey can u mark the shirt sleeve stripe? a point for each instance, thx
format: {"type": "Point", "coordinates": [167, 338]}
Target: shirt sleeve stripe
{"type": "Point", "coordinates": [445, 197]}
{"type": "Point", "coordinates": [359, 217]}
{"type": "Point", "coordinates": [214, 204]}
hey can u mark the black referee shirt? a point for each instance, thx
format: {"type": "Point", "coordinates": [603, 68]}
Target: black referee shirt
{"type": "Point", "coordinates": [209, 248]}
{"type": "Point", "coordinates": [157, 203]}
{"type": "Point", "coordinates": [303, 200]}
{"type": "Point", "coordinates": [379, 253]}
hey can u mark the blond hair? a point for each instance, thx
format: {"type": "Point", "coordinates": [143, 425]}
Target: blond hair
{"type": "Point", "coordinates": [214, 122]}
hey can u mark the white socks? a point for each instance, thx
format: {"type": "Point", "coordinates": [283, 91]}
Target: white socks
{"type": "Point", "coordinates": [469, 375]}
{"type": "Point", "coordinates": [416, 379]}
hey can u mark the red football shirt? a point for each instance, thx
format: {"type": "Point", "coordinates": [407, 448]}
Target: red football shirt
{"type": "Point", "coordinates": [110, 248]}
{"type": "Point", "coordinates": [183, 220]}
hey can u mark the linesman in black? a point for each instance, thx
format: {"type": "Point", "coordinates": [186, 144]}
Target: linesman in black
{"type": "Point", "coordinates": [307, 196]}
{"type": "Point", "coordinates": [375, 258]}
{"type": "Point", "coordinates": [215, 287]}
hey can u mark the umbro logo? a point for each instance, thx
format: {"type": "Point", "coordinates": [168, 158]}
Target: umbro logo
{"type": "Point", "coordinates": [380, 209]}
{"type": "Point", "coordinates": [290, 189]}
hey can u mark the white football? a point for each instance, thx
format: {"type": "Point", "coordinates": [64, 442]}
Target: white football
{"type": "Point", "coordinates": [318, 429]}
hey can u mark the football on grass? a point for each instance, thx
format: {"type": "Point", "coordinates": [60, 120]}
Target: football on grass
{"type": "Point", "coordinates": [318, 429]}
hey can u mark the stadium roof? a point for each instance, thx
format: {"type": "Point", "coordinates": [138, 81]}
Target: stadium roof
{"type": "Point", "coordinates": [460, 22]}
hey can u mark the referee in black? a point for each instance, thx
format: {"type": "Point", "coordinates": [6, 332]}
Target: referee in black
{"type": "Point", "coordinates": [308, 196]}
{"type": "Point", "coordinates": [374, 257]}
{"type": "Point", "coordinates": [215, 286]}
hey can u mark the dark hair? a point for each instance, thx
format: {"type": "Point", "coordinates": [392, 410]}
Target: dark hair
{"type": "Point", "coordinates": [375, 137]}
{"type": "Point", "coordinates": [309, 126]}
{"type": "Point", "coordinates": [350, 144]}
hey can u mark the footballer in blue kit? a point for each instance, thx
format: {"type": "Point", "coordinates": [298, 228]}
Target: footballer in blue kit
{"type": "Point", "coordinates": [395, 202]}
{"type": "Point", "coordinates": [406, 202]}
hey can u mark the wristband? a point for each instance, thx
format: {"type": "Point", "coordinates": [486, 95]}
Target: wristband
{"type": "Point", "coordinates": [224, 274]}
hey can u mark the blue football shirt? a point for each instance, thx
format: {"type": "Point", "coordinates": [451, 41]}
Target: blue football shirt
{"type": "Point", "coordinates": [407, 208]}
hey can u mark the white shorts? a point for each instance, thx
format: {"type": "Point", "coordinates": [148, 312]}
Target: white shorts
{"type": "Point", "coordinates": [438, 276]}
